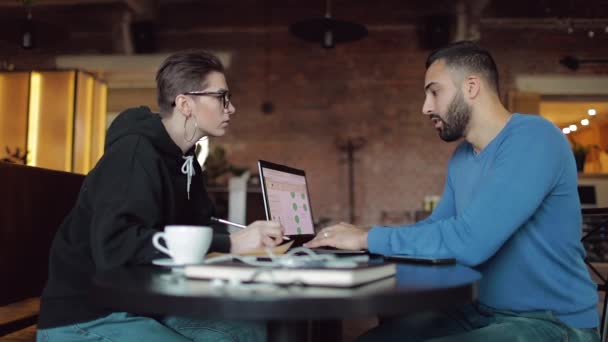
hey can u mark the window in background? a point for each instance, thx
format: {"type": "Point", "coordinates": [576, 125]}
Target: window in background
{"type": "Point", "coordinates": [584, 121]}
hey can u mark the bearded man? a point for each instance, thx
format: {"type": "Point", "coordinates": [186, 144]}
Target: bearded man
{"type": "Point", "coordinates": [510, 210]}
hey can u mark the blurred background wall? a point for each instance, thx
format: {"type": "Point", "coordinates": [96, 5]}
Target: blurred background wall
{"type": "Point", "coordinates": [299, 103]}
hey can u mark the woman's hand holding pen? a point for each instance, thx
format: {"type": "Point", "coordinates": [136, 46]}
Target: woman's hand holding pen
{"type": "Point", "coordinates": [256, 235]}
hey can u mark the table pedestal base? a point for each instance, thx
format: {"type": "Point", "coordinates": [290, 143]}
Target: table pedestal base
{"type": "Point", "coordinates": [305, 331]}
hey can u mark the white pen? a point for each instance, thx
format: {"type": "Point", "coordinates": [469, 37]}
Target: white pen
{"type": "Point", "coordinates": [236, 224]}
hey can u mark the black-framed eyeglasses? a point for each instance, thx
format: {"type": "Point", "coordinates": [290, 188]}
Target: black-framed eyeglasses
{"type": "Point", "coordinates": [224, 96]}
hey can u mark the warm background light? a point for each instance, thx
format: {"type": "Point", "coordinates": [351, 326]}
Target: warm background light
{"type": "Point", "coordinates": [591, 112]}
{"type": "Point", "coordinates": [83, 123]}
{"type": "Point", "coordinates": [14, 90]}
{"type": "Point", "coordinates": [33, 119]}
{"type": "Point", "coordinates": [51, 119]}
{"type": "Point", "coordinates": [573, 128]}
{"type": "Point", "coordinates": [100, 110]}
{"type": "Point", "coordinates": [585, 122]}
{"type": "Point", "coordinates": [566, 130]}
{"type": "Point", "coordinates": [57, 117]}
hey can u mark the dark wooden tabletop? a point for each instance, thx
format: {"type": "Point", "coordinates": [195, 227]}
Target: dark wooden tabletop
{"type": "Point", "coordinates": [161, 291]}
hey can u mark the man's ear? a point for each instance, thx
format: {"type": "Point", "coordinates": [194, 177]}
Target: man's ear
{"type": "Point", "coordinates": [472, 86]}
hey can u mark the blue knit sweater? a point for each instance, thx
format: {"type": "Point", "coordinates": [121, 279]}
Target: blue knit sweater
{"type": "Point", "coordinates": [512, 212]}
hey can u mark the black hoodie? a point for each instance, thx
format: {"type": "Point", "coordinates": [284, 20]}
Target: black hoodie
{"type": "Point", "coordinates": [135, 189]}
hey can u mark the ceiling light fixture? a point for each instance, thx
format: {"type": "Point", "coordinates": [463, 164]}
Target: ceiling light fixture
{"type": "Point", "coordinates": [585, 122]}
{"type": "Point", "coordinates": [570, 28]}
{"type": "Point", "coordinates": [27, 32]}
{"type": "Point", "coordinates": [566, 130]}
{"type": "Point", "coordinates": [573, 128]}
{"type": "Point", "coordinates": [328, 31]}
{"type": "Point", "coordinates": [591, 111]}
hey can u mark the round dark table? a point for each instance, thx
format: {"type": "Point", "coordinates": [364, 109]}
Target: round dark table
{"type": "Point", "coordinates": [158, 291]}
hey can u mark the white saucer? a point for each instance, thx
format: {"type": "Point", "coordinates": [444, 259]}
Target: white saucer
{"type": "Point", "coordinates": [167, 262]}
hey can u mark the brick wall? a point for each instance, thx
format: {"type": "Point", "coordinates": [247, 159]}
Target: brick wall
{"type": "Point", "coordinates": [371, 89]}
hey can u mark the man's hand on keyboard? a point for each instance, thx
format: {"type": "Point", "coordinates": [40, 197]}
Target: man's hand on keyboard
{"type": "Point", "coordinates": [342, 235]}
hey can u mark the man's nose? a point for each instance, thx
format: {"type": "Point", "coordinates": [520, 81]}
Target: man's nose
{"type": "Point", "coordinates": [427, 107]}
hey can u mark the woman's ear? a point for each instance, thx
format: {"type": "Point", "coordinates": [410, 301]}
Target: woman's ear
{"type": "Point", "coordinates": [183, 105]}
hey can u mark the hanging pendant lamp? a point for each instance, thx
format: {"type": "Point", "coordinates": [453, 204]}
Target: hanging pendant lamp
{"type": "Point", "coordinates": [328, 31]}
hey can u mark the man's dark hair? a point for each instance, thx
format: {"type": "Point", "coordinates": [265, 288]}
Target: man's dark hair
{"type": "Point", "coordinates": [183, 72]}
{"type": "Point", "coordinates": [470, 57]}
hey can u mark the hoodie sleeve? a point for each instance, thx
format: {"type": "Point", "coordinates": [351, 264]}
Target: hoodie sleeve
{"type": "Point", "coordinates": [127, 204]}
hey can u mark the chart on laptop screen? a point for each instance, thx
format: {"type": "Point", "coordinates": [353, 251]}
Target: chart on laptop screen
{"type": "Point", "coordinates": [288, 201]}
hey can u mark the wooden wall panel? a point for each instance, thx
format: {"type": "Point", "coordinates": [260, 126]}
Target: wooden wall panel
{"type": "Point", "coordinates": [83, 123]}
{"type": "Point", "coordinates": [54, 133]}
{"type": "Point", "coordinates": [98, 136]}
{"type": "Point", "coordinates": [121, 99]}
{"type": "Point", "coordinates": [14, 89]}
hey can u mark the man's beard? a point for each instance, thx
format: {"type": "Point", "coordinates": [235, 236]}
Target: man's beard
{"type": "Point", "coordinates": [457, 119]}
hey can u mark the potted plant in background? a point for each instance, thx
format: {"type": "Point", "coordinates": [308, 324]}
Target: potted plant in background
{"type": "Point", "coordinates": [218, 169]}
{"type": "Point", "coordinates": [15, 156]}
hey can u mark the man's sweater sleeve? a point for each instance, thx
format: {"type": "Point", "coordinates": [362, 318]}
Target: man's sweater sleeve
{"type": "Point", "coordinates": [524, 172]}
{"type": "Point", "coordinates": [445, 208]}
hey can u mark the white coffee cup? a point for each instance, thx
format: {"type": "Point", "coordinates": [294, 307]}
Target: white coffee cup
{"type": "Point", "coordinates": [185, 244]}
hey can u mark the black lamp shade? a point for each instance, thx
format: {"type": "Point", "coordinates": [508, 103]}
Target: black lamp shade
{"type": "Point", "coordinates": [328, 31]}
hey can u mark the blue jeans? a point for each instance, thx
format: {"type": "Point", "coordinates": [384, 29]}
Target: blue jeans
{"type": "Point", "coordinates": [477, 322]}
{"type": "Point", "coordinates": [122, 326]}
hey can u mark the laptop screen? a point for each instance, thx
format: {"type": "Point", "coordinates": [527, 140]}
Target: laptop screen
{"type": "Point", "coordinates": [286, 198]}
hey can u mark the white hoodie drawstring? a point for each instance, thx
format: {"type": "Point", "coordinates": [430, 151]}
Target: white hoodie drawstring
{"type": "Point", "coordinates": [188, 169]}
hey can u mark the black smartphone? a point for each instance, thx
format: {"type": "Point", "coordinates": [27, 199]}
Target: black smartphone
{"type": "Point", "coordinates": [420, 260]}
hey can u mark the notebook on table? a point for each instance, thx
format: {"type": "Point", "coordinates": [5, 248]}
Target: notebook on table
{"type": "Point", "coordinates": [287, 201]}
{"type": "Point", "coordinates": [364, 272]}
